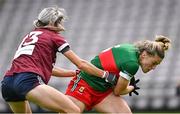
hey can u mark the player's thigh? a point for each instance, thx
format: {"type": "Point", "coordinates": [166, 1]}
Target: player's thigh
{"type": "Point", "coordinates": [20, 107]}
{"type": "Point", "coordinates": [113, 104]}
{"type": "Point", "coordinates": [80, 104]}
{"type": "Point", "coordinates": [52, 99]}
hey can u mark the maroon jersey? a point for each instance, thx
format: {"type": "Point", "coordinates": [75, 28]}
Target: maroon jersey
{"type": "Point", "coordinates": [37, 53]}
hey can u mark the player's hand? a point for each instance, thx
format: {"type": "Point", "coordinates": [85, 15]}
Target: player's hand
{"type": "Point", "coordinates": [111, 78]}
{"type": "Point", "coordinates": [77, 71]}
{"type": "Point", "coordinates": [134, 82]}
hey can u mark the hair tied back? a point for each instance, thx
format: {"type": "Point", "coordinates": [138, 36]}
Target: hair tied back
{"type": "Point", "coordinates": [163, 41]}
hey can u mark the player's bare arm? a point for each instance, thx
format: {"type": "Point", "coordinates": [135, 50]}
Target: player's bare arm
{"type": "Point", "coordinates": [122, 87]}
{"type": "Point", "coordinates": [83, 65]}
{"type": "Point", "coordinates": [60, 72]}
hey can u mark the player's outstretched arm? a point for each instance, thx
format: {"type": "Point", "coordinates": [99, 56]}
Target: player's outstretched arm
{"type": "Point", "coordinates": [90, 68]}
{"type": "Point", "coordinates": [83, 64]}
{"type": "Point", "coordinates": [60, 72]}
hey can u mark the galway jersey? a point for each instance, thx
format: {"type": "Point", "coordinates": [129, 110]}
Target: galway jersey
{"type": "Point", "coordinates": [37, 53]}
{"type": "Point", "coordinates": [120, 59]}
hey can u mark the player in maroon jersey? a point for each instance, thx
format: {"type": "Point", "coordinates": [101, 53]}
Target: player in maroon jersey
{"type": "Point", "coordinates": [33, 65]}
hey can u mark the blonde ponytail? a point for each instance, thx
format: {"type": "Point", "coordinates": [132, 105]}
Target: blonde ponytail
{"type": "Point", "coordinates": [164, 41]}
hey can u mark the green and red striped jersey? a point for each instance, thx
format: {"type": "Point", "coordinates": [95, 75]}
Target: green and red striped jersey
{"type": "Point", "coordinates": [121, 59]}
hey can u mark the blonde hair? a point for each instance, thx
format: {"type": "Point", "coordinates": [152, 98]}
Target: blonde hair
{"type": "Point", "coordinates": [49, 15]}
{"type": "Point", "coordinates": [157, 47]}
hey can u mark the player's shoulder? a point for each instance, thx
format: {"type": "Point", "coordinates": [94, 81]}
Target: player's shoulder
{"type": "Point", "coordinates": [127, 45]}
{"type": "Point", "coordinates": [131, 67]}
{"type": "Point", "coordinates": [45, 31]}
{"type": "Point", "coordinates": [124, 46]}
{"type": "Point", "coordinates": [50, 33]}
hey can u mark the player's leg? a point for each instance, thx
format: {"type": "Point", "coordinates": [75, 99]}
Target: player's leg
{"type": "Point", "coordinates": [80, 104]}
{"type": "Point", "coordinates": [28, 108]}
{"type": "Point", "coordinates": [16, 102]}
{"type": "Point", "coordinates": [113, 104]}
{"type": "Point", "coordinates": [50, 98]}
{"type": "Point", "coordinates": [20, 107]}
{"type": "Point", "coordinates": [78, 92]}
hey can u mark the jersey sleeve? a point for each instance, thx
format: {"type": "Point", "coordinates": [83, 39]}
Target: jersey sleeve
{"type": "Point", "coordinates": [61, 44]}
{"type": "Point", "coordinates": [129, 69]}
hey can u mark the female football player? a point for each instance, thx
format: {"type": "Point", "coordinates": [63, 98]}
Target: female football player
{"type": "Point", "coordinates": [88, 91]}
{"type": "Point", "coordinates": [33, 65]}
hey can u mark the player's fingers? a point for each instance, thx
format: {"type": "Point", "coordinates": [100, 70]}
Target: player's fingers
{"type": "Point", "coordinates": [137, 81]}
{"type": "Point", "coordinates": [137, 88]}
{"type": "Point", "coordinates": [130, 94]}
{"type": "Point", "coordinates": [78, 71]}
{"type": "Point", "coordinates": [135, 92]}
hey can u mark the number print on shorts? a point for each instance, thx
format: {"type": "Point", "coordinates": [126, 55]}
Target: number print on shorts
{"type": "Point", "coordinates": [28, 44]}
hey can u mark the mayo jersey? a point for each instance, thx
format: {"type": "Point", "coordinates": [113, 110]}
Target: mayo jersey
{"type": "Point", "coordinates": [37, 53]}
{"type": "Point", "coordinates": [121, 59]}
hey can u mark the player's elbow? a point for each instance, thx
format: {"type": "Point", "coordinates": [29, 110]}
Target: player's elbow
{"type": "Point", "coordinates": [116, 93]}
{"type": "Point", "coordinates": [82, 65]}
{"type": "Point", "coordinates": [119, 90]}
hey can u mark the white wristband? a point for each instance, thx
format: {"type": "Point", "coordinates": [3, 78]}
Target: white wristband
{"type": "Point", "coordinates": [105, 74]}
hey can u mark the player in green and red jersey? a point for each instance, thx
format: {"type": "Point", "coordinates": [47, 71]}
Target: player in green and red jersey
{"type": "Point", "coordinates": [89, 91]}
{"type": "Point", "coordinates": [121, 58]}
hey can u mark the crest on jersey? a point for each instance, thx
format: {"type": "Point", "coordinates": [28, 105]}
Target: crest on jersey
{"type": "Point", "coordinates": [81, 89]}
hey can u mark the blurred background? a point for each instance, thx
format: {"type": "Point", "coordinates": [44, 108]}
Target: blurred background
{"type": "Point", "coordinates": [95, 25]}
